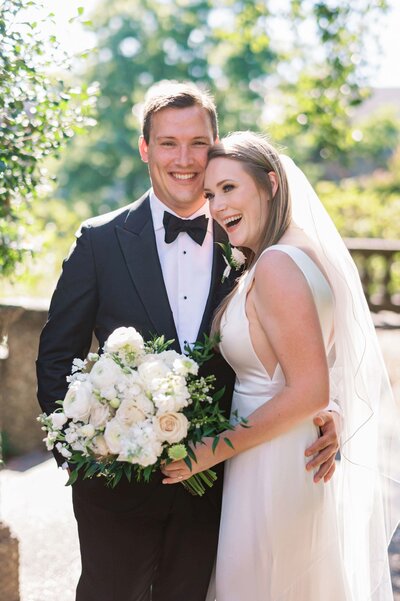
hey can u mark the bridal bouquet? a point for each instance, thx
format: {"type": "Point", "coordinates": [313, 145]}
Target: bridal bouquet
{"type": "Point", "coordinates": [133, 407]}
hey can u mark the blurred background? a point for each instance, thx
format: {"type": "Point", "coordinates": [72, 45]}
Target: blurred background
{"type": "Point", "coordinates": [322, 78]}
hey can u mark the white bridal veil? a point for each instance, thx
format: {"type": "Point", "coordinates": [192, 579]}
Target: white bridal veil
{"type": "Point", "coordinates": [368, 474]}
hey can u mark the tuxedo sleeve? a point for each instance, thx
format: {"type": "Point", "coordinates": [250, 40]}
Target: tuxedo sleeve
{"type": "Point", "coordinates": [68, 330]}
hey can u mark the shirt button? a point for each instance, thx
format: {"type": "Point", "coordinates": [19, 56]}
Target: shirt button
{"type": "Point", "coordinates": [185, 297]}
{"type": "Point", "coordinates": [184, 252]}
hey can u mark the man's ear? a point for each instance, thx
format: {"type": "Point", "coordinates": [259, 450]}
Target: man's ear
{"type": "Point", "coordinates": [143, 149]}
{"type": "Point", "coordinates": [274, 181]}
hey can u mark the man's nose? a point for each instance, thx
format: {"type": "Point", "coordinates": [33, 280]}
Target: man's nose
{"type": "Point", "coordinates": [185, 157]}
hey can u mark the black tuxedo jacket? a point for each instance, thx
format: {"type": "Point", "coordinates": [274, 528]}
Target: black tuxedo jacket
{"type": "Point", "coordinates": [113, 278]}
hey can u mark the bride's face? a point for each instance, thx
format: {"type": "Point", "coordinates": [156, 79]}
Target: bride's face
{"type": "Point", "coordinates": [236, 203]}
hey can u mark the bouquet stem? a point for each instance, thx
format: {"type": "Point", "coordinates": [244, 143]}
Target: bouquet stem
{"type": "Point", "coordinates": [196, 484]}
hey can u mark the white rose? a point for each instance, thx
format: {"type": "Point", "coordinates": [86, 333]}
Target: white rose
{"type": "Point", "coordinates": [114, 434]}
{"type": "Point", "coordinates": [238, 258]}
{"type": "Point", "coordinates": [58, 420]}
{"type": "Point", "coordinates": [171, 427]}
{"type": "Point", "coordinates": [125, 340]}
{"type": "Point", "coordinates": [105, 374]}
{"type": "Point", "coordinates": [184, 366]}
{"type": "Point", "coordinates": [99, 414]}
{"type": "Point", "coordinates": [99, 446]}
{"type": "Point", "coordinates": [128, 413]}
{"type": "Point", "coordinates": [78, 401]}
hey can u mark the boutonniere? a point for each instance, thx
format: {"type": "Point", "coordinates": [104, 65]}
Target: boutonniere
{"type": "Point", "coordinates": [233, 257]}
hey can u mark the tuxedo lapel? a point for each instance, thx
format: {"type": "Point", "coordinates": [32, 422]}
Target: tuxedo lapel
{"type": "Point", "coordinates": [218, 290]}
{"type": "Point", "coordinates": [138, 245]}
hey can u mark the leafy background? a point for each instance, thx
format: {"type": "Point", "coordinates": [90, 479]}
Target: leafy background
{"type": "Point", "coordinates": [294, 68]}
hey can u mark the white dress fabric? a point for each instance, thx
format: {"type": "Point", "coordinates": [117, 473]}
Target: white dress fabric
{"type": "Point", "coordinates": [279, 536]}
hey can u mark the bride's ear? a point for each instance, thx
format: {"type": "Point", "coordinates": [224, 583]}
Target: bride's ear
{"type": "Point", "coordinates": [273, 178]}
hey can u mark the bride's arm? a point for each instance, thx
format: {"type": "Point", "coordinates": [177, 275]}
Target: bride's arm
{"type": "Point", "coordinates": [288, 317]}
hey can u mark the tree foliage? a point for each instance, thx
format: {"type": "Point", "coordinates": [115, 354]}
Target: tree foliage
{"type": "Point", "coordinates": [38, 113]}
{"type": "Point", "coordinates": [295, 67]}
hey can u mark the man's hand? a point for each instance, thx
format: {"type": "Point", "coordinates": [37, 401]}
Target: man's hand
{"type": "Point", "coordinates": [326, 446]}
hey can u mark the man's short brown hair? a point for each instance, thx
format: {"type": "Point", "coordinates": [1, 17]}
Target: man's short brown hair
{"type": "Point", "coordinates": [174, 94]}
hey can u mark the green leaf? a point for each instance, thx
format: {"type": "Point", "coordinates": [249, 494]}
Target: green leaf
{"type": "Point", "coordinates": [215, 443]}
{"type": "Point", "coordinates": [219, 394]}
{"type": "Point", "coordinates": [229, 443]}
{"type": "Point", "coordinates": [81, 10]}
{"type": "Point", "coordinates": [72, 477]}
{"type": "Point", "coordinates": [188, 462]}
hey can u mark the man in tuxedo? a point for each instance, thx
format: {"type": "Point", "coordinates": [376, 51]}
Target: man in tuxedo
{"type": "Point", "coordinates": [154, 265]}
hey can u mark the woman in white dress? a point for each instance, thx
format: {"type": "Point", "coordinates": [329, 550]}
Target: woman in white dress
{"type": "Point", "coordinates": [295, 325]}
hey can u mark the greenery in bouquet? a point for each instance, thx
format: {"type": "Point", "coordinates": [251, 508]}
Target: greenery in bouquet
{"type": "Point", "coordinates": [135, 406]}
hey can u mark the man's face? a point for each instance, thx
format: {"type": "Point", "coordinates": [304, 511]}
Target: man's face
{"type": "Point", "coordinates": [177, 156]}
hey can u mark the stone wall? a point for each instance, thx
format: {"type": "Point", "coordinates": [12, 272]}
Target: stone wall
{"type": "Point", "coordinates": [18, 404]}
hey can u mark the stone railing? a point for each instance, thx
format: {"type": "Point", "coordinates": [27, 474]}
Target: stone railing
{"type": "Point", "coordinates": [378, 262]}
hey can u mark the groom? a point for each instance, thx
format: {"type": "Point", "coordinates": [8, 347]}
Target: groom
{"type": "Point", "coordinates": [154, 265]}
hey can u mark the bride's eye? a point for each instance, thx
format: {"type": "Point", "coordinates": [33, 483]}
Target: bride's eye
{"type": "Point", "coordinates": [228, 187]}
{"type": "Point", "coordinates": [208, 196]}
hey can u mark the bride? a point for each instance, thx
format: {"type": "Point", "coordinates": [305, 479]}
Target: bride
{"type": "Point", "coordinates": [296, 329]}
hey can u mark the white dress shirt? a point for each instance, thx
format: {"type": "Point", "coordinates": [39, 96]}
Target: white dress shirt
{"type": "Point", "coordinates": [186, 268]}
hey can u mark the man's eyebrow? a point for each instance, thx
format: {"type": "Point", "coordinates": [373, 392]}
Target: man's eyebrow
{"type": "Point", "coordinates": [205, 138]}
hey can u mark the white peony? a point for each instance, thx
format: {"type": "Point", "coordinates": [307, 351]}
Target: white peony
{"type": "Point", "coordinates": [125, 341]}
{"type": "Point", "coordinates": [129, 413]}
{"type": "Point", "coordinates": [105, 375]}
{"type": "Point", "coordinates": [171, 427]}
{"type": "Point", "coordinates": [78, 400]}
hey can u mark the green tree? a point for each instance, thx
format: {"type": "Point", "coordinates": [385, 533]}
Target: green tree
{"type": "Point", "coordinates": [38, 113]}
{"type": "Point", "coordinates": [257, 59]}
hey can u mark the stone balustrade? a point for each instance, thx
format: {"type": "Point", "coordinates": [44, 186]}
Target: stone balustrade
{"type": "Point", "coordinates": [378, 262]}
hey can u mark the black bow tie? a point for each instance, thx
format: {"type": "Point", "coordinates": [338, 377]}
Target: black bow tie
{"type": "Point", "coordinates": [196, 228]}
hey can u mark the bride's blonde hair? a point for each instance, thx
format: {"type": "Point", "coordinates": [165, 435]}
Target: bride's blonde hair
{"type": "Point", "coordinates": [258, 158]}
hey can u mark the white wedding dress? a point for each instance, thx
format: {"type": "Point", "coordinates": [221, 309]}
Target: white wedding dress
{"type": "Point", "coordinates": [279, 534]}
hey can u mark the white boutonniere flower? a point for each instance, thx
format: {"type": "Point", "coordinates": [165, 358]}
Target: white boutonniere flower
{"type": "Point", "coordinates": [234, 259]}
